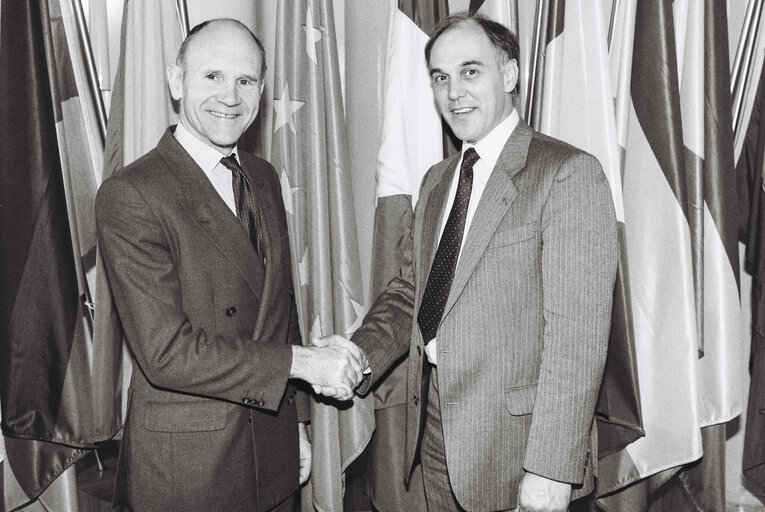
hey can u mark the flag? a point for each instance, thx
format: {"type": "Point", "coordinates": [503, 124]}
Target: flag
{"type": "Point", "coordinates": [751, 187]}
{"type": "Point", "coordinates": [411, 142]}
{"type": "Point", "coordinates": [577, 106]}
{"type": "Point", "coordinates": [658, 247]}
{"type": "Point", "coordinates": [708, 134]}
{"type": "Point", "coordinates": [44, 374]}
{"type": "Point", "coordinates": [141, 109]}
{"type": "Point", "coordinates": [310, 155]}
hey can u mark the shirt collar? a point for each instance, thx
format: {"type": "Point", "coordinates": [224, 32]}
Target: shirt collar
{"type": "Point", "coordinates": [206, 157]}
{"type": "Point", "coordinates": [491, 145]}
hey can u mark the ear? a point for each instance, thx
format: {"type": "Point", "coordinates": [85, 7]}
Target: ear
{"type": "Point", "coordinates": [510, 75]}
{"type": "Point", "coordinates": [262, 86]}
{"type": "Point", "coordinates": [175, 81]}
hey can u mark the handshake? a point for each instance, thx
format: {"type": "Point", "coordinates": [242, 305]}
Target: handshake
{"type": "Point", "coordinates": [334, 366]}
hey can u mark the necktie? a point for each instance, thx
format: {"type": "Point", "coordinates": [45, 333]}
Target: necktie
{"type": "Point", "coordinates": [442, 272]}
{"type": "Point", "coordinates": [247, 209]}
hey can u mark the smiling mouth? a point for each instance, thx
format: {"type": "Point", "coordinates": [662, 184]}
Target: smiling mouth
{"type": "Point", "coordinates": [463, 110]}
{"type": "Point", "coordinates": [223, 115]}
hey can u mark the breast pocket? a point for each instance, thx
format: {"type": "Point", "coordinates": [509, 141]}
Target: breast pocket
{"type": "Point", "coordinates": [514, 235]}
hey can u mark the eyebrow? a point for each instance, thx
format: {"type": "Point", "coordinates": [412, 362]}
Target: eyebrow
{"type": "Point", "coordinates": [465, 64]}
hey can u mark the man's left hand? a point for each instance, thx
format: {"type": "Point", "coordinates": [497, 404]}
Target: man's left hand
{"type": "Point", "coordinates": [305, 453]}
{"type": "Point", "coordinates": [540, 494]}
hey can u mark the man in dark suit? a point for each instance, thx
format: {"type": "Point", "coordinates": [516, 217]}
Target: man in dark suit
{"type": "Point", "coordinates": [505, 309]}
{"type": "Point", "coordinates": [194, 237]}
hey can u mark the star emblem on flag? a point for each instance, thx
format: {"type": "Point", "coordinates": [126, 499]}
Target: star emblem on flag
{"type": "Point", "coordinates": [285, 107]}
{"type": "Point", "coordinates": [312, 35]}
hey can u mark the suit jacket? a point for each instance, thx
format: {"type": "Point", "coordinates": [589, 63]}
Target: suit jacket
{"type": "Point", "coordinates": [523, 338]}
{"type": "Point", "coordinates": [212, 421]}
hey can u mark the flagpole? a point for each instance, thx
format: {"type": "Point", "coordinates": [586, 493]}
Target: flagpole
{"type": "Point", "coordinates": [744, 56]}
{"type": "Point", "coordinates": [90, 65]}
{"type": "Point", "coordinates": [537, 64]}
{"type": "Point", "coordinates": [612, 24]}
{"type": "Point", "coordinates": [183, 17]}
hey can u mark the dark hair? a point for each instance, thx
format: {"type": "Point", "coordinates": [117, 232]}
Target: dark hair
{"type": "Point", "coordinates": [504, 41]}
{"type": "Point", "coordinates": [180, 59]}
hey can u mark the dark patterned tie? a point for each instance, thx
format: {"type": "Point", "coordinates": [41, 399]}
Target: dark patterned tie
{"type": "Point", "coordinates": [247, 208]}
{"type": "Point", "coordinates": [442, 272]}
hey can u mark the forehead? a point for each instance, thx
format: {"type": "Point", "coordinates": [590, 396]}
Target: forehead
{"type": "Point", "coordinates": [466, 42]}
{"type": "Point", "coordinates": [224, 47]}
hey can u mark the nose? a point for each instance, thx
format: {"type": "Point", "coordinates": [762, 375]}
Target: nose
{"type": "Point", "coordinates": [456, 90]}
{"type": "Point", "coordinates": [228, 93]}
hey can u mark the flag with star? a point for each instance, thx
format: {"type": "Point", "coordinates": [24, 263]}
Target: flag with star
{"type": "Point", "coordinates": [310, 155]}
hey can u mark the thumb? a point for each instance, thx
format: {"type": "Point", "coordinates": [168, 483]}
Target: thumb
{"type": "Point", "coordinates": [319, 342]}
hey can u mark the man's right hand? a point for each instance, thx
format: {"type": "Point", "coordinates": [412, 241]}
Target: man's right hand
{"type": "Point", "coordinates": [334, 366]}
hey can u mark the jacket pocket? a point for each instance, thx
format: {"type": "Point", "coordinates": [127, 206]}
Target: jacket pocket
{"type": "Point", "coordinates": [520, 401]}
{"type": "Point", "coordinates": [198, 416]}
{"type": "Point", "coordinates": [514, 235]}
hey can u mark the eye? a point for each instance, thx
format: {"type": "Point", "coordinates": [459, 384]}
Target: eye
{"type": "Point", "coordinates": [246, 82]}
{"type": "Point", "coordinates": [212, 76]}
{"type": "Point", "coordinates": [439, 79]}
{"type": "Point", "coordinates": [471, 73]}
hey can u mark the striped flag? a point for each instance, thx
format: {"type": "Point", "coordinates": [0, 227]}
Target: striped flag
{"type": "Point", "coordinates": [141, 108]}
{"type": "Point", "coordinates": [577, 106]}
{"type": "Point", "coordinates": [749, 171]}
{"type": "Point", "coordinates": [44, 373]}
{"type": "Point", "coordinates": [679, 194]}
{"type": "Point", "coordinates": [412, 141]}
{"type": "Point", "coordinates": [310, 155]}
{"type": "Point", "coordinates": [660, 269]}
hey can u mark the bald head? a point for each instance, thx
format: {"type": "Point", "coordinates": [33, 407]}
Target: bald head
{"type": "Point", "coordinates": [219, 23]}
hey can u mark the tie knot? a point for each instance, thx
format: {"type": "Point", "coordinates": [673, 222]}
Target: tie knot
{"type": "Point", "coordinates": [231, 163]}
{"type": "Point", "coordinates": [469, 159]}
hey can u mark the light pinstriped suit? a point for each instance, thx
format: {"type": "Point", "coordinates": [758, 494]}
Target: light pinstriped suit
{"type": "Point", "coordinates": [522, 343]}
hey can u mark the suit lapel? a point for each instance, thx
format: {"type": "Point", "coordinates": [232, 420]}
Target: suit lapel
{"type": "Point", "coordinates": [206, 208]}
{"type": "Point", "coordinates": [270, 241]}
{"type": "Point", "coordinates": [495, 201]}
{"type": "Point", "coordinates": [433, 206]}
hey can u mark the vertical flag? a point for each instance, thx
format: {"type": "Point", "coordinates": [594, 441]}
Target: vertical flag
{"type": "Point", "coordinates": [660, 269]}
{"type": "Point", "coordinates": [749, 171]}
{"type": "Point", "coordinates": [44, 378]}
{"type": "Point", "coordinates": [578, 107]}
{"type": "Point", "coordinates": [310, 155]}
{"type": "Point", "coordinates": [141, 108]}
{"type": "Point", "coordinates": [411, 143]}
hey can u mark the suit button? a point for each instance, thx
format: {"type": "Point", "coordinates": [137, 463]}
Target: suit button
{"type": "Point", "coordinates": [416, 400]}
{"type": "Point", "coordinates": [259, 403]}
{"type": "Point", "coordinates": [291, 400]}
{"type": "Point", "coordinates": [291, 292]}
{"type": "Point", "coordinates": [245, 400]}
{"type": "Point", "coordinates": [230, 311]}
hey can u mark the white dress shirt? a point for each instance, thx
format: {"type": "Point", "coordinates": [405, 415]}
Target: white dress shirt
{"type": "Point", "coordinates": [488, 149]}
{"type": "Point", "coordinates": [208, 159]}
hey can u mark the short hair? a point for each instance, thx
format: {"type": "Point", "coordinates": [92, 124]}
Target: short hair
{"type": "Point", "coordinates": [504, 41]}
{"type": "Point", "coordinates": [180, 60]}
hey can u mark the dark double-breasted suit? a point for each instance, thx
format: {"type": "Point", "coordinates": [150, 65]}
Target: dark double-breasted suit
{"type": "Point", "coordinates": [522, 342]}
{"type": "Point", "coordinates": [212, 423]}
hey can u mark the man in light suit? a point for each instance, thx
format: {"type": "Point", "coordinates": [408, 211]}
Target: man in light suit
{"type": "Point", "coordinates": [505, 310]}
{"type": "Point", "coordinates": [197, 254]}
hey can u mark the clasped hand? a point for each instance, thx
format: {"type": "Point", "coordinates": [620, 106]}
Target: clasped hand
{"type": "Point", "coordinates": [340, 366]}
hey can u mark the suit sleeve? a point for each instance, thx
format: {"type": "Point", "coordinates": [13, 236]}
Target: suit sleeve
{"type": "Point", "coordinates": [173, 353]}
{"type": "Point", "coordinates": [387, 328]}
{"type": "Point", "coordinates": [579, 257]}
